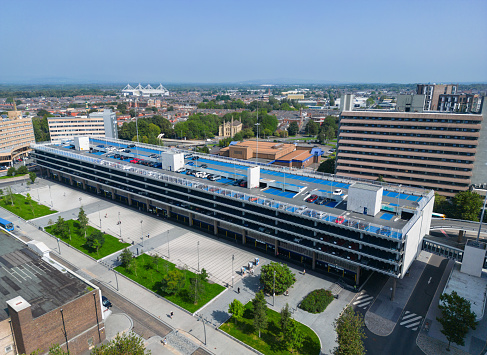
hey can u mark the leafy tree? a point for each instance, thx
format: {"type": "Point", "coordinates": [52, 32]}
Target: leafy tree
{"type": "Point", "coordinates": [312, 128]}
{"type": "Point", "coordinates": [83, 220]}
{"type": "Point", "coordinates": [203, 275]}
{"type": "Point", "coordinates": [330, 133]}
{"type": "Point", "coordinates": [293, 128]}
{"type": "Point", "coordinates": [321, 137]}
{"type": "Point", "coordinates": [328, 166]}
{"type": "Point", "coordinates": [126, 258]}
{"type": "Point", "coordinates": [332, 101]}
{"type": "Point", "coordinates": [285, 317]}
{"type": "Point", "coordinates": [155, 260]}
{"type": "Point", "coordinates": [380, 178]}
{"type": "Point", "coordinates": [95, 240]}
{"type": "Point", "coordinates": [11, 171]}
{"type": "Point", "coordinates": [125, 343]}
{"type": "Point", "coordinates": [284, 277]}
{"type": "Point", "coordinates": [57, 350]}
{"type": "Point", "coordinates": [132, 113]}
{"type": "Point", "coordinates": [293, 336]}
{"type": "Point", "coordinates": [61, 228]}
{"type": "Point", "coordinates": [28, 198]}
{"type": "Point", "coordinates": [32, 176]}
{"type": "Point", "coordinates": [456, 318]}
{"type": "Point", "coordinates": [350, 333]}
{"type": "Point", "coordinates": [260, 311]}
{"type": "Point", "coordinates": [467, 205]}
{"type": "Point", "coordinates": [236, 309]}
{"type": "Point", "coordinates": [172, 282]}
{"type": "Point", "coordinates": [196, 289]}
{"type": "Point", "coordinates": [22, 170]}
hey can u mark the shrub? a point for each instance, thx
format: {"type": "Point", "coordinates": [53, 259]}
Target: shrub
{"type": "Point", "coordinates": [316, 301]}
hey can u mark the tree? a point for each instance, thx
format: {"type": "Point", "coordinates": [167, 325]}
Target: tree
{"type": "Point", "coordinates": [293, 336]}
{"type": "Point", "coordinates": [32, 176]}
{"type": "Point", "coordinates": [467, 205]}
{"type": "Point", "coordinates": [260, 311]}
{"type": "Point", "coordinates": [96, 240]}
{"type": "Point", "coordinates": [61, 228]}
{"type": "Point", "coordinates": [285, 317]}
{"type": "Point", "coordinates": [330, 133]}
{"type": "Point", "coordinates": [22, 170]}
{"type": "Point", "coordinates": [328, 166]}
{"type": "Point", "coordinates": [196, 289]}
{"type": "Point", "coordinates": [155, 260]}
{"type": "Point", "coordinates": [203, 275]}
{"type": "Point", "coordinates": [11, 171]}
{"type": "Point", "coordinates": [456, 318]}
{"type": "Point", "coordinates": [312, 128]}
{"type": "Point", "coordinates": [125, 343]}
{"type": "Point", "coordinates": [321, 138]}
{"type": "Point", "coordinates": [126, 258]}
{"type": "Point", "coordinates": [236, 309]}
{"type": "Point", "coordinates": [380, 178]}
{"type": "Point", "coordinates": [28, 198]}
{"type": "Point", "coordinates": [283, 280]}
{"type": "Point", "coordinates": [83, 220]}
{"type": "Point", "coordinates": [293, 129]}
{"type": "Point", "coordinates": [350, 333]}
{"type": "Point", "coordinates": [172, 282]}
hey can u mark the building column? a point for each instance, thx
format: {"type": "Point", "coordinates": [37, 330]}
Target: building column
{"type": "Point", "coordinates": [83, 181]}
{"type": "Point", "coordinates": [168, 210]}
{"type": "Point", "coordinates": [244, 236]}
{"type": "Point", "coordinates": [393, 289]}
{"type": "Point", "coordinates": [215, 227]}
{"type": "Point", "coordinates": [147, 204]}
{"type": "Point", "coordinates": [113, 193]}
{"type": "Point", "coordinates": [313, 265]}
{"type": "Point", "coordinates": [357, 279]}
{"type": "Point", "coordinates": [59, 176]}
{"type": "Point", "coordinates": [276, 247]}
{"type": "Point", "coordinates": [190, 219]}
{"type": "Point", "coordinates": [129, 198]}
{"type": "Point", "coordinates": [97, 188]}
{"type": "Point", "coordinates": [70, 180]}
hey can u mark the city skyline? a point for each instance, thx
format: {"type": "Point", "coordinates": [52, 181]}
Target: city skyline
{"type": "Point", "coordinates": [226, 42]}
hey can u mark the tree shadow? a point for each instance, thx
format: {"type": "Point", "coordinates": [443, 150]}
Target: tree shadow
{"type": "Point", "coordinates": [252, 282]}
{"type": "Point", "coordinates": [219, 316]}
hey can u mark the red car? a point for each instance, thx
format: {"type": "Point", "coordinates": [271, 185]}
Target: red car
{"type": "Point", "coordinates": [243, 184]}
{"type": "Point", "coordinates": [135, 161]}
{"type": "Point", "coordinates": [340, 220]}
{"type": "Point", "coordinates": [312, 198]}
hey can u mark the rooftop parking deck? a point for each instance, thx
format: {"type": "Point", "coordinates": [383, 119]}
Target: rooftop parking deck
{"type": "Point", "coordinates": [291, 193]}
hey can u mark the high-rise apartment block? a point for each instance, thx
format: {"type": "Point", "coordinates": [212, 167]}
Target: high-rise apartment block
{"type": "Point", "coordinates": [97, 124]}
{"type": "Point", "coordinates": [434, 150]}
{"type": "Point", "coordinates": [432, 94]}
{"type": "Point", "coordinates": [16, 135]}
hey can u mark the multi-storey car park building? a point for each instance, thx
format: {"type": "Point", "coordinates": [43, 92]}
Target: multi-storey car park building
{"type": "Point", "coordinates": [357, 227]}
{"type": "Point", "coordinates": [433, 150]}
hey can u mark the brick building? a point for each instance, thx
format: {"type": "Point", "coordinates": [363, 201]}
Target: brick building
{"type": "Point", "coordinates": [45, 304]}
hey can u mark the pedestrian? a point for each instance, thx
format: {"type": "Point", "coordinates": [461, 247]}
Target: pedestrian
{"type": "Point", "coordinates": [106, 214]}
{"type": "Point", "coordinates": [304, 272]}
{"type": "Point", "coordinates": [164, 341]}
{"type": "Point", "coordinates": [172, 313]}
{"type": "Point", "coordinates": [238, 289]}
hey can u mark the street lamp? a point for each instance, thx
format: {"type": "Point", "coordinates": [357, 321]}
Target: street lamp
{"type": "Point", "coordinates": [116, 278]}
{"type": "Point", "coordinates": [198, 247]}
{"type": "Point", "coordinates": [141, 234]}
{"type": "Point", "coordinates": [257, 124]}
{"type": "Point", "coordinates": [233, 258]}
{"type": "Point", "coordinates": [274, 289]}
{"type": "Point", "coordinates": [137, 145]}
{"type": "Point", "coordinates": [99, 215]}
{"type": "Point", "coordinates": [58, 247]}
{"type": "Point", "coordinates": [481, 218]}
{"type": "Point", "coordinates": [50, 195]}
{"type": "Point", "coordinates": [168, 256]}
{"type": "Point", "coordinates": [80, 202]}
{"type": "Point", "coordinates": [120, 224]}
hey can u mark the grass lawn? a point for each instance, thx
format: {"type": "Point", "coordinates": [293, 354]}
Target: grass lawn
{"type": "Point", "coordinates": [270, 342]}
{"type": "Point", "coordinates": [22, 208]}
{"type": "Point", "coordinates": [149, 276]}
{"type": "Point", "coordinates": [78, 240]}
{"type": "Point", "coordinates": [9, 177]}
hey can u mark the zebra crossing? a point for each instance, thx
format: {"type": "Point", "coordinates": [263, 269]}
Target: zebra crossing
{"type": "Point", "coordinates": [411, 320]}
{"type": "Point", "coordinates": [363, 300]}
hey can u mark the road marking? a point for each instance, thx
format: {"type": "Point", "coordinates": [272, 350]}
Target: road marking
{"type": "Point", "coordinates": [411, 320]}
{"type": "Point", "coordinates": [429, 281]}
{"type": "Point", "coordinates": [363, 300]}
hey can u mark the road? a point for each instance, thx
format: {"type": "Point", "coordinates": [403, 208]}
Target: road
{"type": "Point", "coordinates": [447, 224]}
{"type": "Point", "coordinates": [403, 338]}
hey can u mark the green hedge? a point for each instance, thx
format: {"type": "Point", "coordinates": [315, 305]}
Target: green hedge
{"type": "Point", "coordinates": [316, 301]}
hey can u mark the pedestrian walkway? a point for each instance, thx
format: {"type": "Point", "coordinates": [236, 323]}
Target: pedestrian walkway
{"type": "Point", "coordinates": [383, 314]}
{"type": "Point", "coordinates": [410, 320]}
{"type": "Point", "coordinates": [363, 300]}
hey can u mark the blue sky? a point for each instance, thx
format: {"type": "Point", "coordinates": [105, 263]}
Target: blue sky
{"type": "Point", "coordinates": [235, 41]}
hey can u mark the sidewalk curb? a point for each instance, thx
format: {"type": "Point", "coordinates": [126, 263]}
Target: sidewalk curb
{"type": "Point", "coordinates": [239, 341]}
{"type": "Point", "coordinates": [212, 300]}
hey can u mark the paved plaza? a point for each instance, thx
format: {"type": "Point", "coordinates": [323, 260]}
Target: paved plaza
{"type": "Point", "coordinates": [180, 246]}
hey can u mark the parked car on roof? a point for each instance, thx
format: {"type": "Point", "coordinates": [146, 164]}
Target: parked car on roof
{"type": "Point", "coordinates": [312, 198]}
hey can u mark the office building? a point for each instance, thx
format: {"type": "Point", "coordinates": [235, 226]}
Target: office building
{"type": "Point", "coordinates": [16, 135]}
{"type": "Point", "coordinates": [430, 150]}
{"type": "Point", "coordinates": [291, 214]}
{"type": "Point", "coordinates": [43, 304]}
{"type": "Point", "coordinates": [97, 124]}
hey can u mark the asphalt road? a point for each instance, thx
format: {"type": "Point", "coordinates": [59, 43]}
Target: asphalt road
{"type": "Point", "coordinates": [403, 340]}
{"type": "Point", "coordinates": [457, 225]}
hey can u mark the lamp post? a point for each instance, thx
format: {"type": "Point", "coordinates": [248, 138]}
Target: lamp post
{"type": "Point", "coordinates": [274, 289]}
{"type": "Point", "coordinates": [233, 258]}
{"type": "Point", "coordinates": [137, 145]}
{"type": "Point", "coordinates": [141, 234]}
{"type": "Point", "coordinates": [80, 202]}
{"type": "Point", "coordinates": [198, 248]}
{"type": "Point", "coordinates": [116, 278]}
{"type": "Point", "coordinates": [50, 195]}
{"type": "Point", "coordinates": [99, 215]}
{"type": "Point", "coordinates": [481, 217]}
{"type": "Point", "coordinates": [168, 256]}
{"type": "Point", "coordinates": [120, 224]}
{"type": "Point", "coordinates": [58, 247]}
{"type": "Point", "coordinates": [257, 152]}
